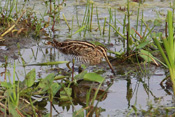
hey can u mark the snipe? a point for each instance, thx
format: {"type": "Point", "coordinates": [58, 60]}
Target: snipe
{"type": "Point", "coordinates": [82, 52]}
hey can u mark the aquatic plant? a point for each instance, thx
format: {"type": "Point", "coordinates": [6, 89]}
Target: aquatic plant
{"type": "Point", "coordinates": [169, 45]}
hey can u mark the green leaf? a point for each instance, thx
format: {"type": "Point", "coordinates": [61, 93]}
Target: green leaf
{"type": "Point", "coordinates": [79, 113]}
{"type": "Point", "coordinates": [142, 45]}
{"type": "Point", "coordinates": [9, 93]}
{"type": "Point", "coordinates": [55, 88]}
{"type": "Point", "coordinates": [6, 85]}
{"type": "Point", "coordinates": [161, 51]}
{"type": "Point", "coordinates": [59, 77]}
{"type": "Point", "coordinates": [30, 78]}
{"type": "Point", "coordinates": [49, 63]}
{"type": "Point", "coordinates": [46, 82]}
{"type": "Point", "coordinates": [12, 110]}
{"type": "Point", "coordinates": [147, 56]}
{"type": "Point", "coordinates": [65, 94]}
{"type": "Point", "coordinates": [81, 75]}
{"type": "Point", "coordinates": [93, 77]}
{"type": "Point", "coordinates": [12, 97]}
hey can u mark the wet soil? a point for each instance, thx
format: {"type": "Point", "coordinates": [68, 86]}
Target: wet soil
{"type": "Point", "coordinates": [12, 45]}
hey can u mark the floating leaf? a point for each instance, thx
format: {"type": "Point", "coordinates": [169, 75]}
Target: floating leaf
{"type": "Point", "coordinates": [30, 78]}
{"type": "Point", "coordinates": [93, 77]}
{"type": "Point", "coordinates": [49, 63]}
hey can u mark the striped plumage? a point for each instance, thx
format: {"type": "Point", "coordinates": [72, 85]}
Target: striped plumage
{"type": "Point", "coordinates": [82, 52]}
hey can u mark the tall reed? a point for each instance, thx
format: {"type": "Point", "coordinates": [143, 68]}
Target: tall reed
{"type": "Point", "coordinates": [128, 28]}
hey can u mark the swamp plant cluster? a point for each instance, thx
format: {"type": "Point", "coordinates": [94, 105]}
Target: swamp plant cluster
{"type": "Point", "coordinates": [20, 98]}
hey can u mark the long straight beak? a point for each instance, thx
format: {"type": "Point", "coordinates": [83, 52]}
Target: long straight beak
{"type": "Point", "coordinates": [107, 60]}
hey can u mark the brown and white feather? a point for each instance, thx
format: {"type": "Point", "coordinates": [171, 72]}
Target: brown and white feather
{"type": "Point", "coordinates": [82, 51]}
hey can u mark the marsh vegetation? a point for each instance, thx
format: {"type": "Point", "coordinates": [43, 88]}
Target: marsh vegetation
{"type": "Point", "coordinates": [138, 35]}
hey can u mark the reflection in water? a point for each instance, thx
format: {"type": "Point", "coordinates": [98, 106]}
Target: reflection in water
{"type": "Point", "coordinates": [135, 90]}
{"type": "Point", "coordinates": [129, 91]}
{"type": "Point", "coordinates": [83, 93]}
{"type": "Point", "coordinates": [166, 84]}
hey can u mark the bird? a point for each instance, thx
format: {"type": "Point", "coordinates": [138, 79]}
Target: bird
{"type": "Point", "coordinates": [83, 52]}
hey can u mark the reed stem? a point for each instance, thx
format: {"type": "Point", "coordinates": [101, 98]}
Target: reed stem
{"type": "Point", "coordinates": [128, 28]}
{"type": "Point", "coordinates": [72, 25]}
{"type": "Point", "coordinates": [124, 24]}
{"type": "Point", "coordinates": [110, 18]}
{"type": "Point", "coordinates": [66, 22]}
{"type": "Point", "coordinates": [91, 18]}
{"type": "Point", "coordinates": [98, 21]}
{"type": "Point", "coordinates": [141, 28]}
{"type": "Point", "coordinates": [104, 26]}
{"type": "Point", "coordinates": [137, 22]}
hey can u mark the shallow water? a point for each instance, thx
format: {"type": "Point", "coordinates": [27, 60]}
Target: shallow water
{"type": "Point", "coordinates": [135, 89]}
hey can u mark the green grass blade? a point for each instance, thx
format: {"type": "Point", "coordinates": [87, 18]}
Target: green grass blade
{"type": "Point", "coordinates": [174, 50]}
{"type": "Point", "coordinates": [49, 63]}
{"type": "Point", "coordinates": [117, 31]}
{"type": "Point", "coordinates": [79, 30]}
{"type": "Point", "coordinates": [66, 22]}
{"type": "Point", "coordinates": [98, 21]}
{"type": "Point", "coordinates": [161, 51]}
{"type": "Point", "coordinates": [167, 48]}
{"type": "Point", "coordinates": [170, 29]}
{"type": "Point", "coordinates": [170, 37]}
